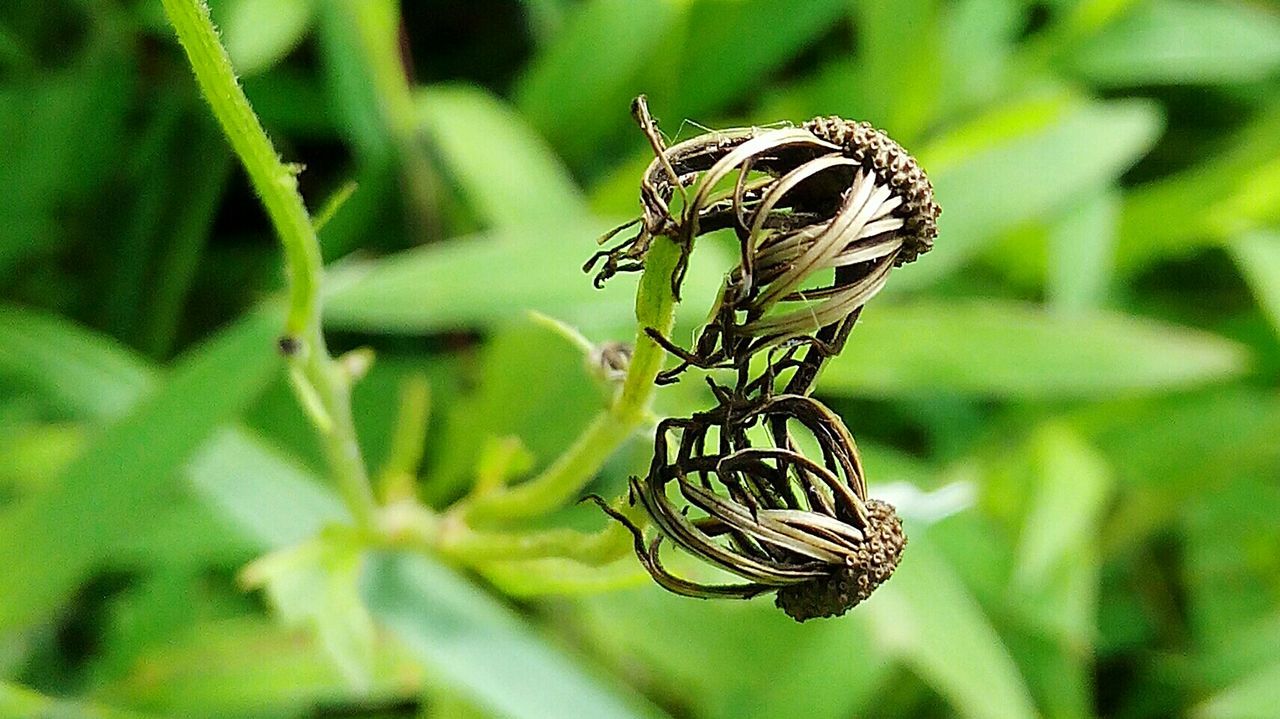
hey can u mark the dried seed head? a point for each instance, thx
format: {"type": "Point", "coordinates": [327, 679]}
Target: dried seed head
{"type": "Point", "coordinates": [822, 212]}
{"type": "Point", "coordinates": [766, 513]}
{"type": "Point", "coordinates": [895, 167]}
{"type": "Point", "coordinates": [868, 568]}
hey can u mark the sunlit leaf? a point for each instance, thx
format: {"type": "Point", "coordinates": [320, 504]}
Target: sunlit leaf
{"type": "Point", "coordinates": [482, 648]}
{"type": "Point", "coordinates": [1004, 181]}
{"type": "Point", "coordinates": [486, 280]}
{"type": "Point", "coordinates": [1229, 193]}
{"type": "Point", "coordinates": [128, 466]}
{"type": "Point", "coordinates": [577, 90]}
{"type": "Point", "coordinates": [925, 616]}
{"type": "Point", "coordinates": [1183, 41]}
{"type": "Point", "coordinates": [1253, 696]}
{"type": "Point", "coordinates": [1258, 257]}
{"type": "Point", "coordinates": [505, 171]}
{"type": "Point", "coordinates": [259, 33]}
{"type": "Point", "coordinates": [16, 701]}
{"type": "Point", "coordinates": [1012, 350]}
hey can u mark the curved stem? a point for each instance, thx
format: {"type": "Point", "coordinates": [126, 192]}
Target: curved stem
{"type": "Point", "coordinates": [568, 475]}
{"type": "Point", "coordinates": [322, 384]}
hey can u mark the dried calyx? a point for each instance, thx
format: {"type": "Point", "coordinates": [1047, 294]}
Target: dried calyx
{"type": "Point", "coordinates": [765, 511]}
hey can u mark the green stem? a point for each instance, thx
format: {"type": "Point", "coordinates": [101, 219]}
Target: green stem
{"type": "Point", "coordinates": [412, 526]}
{"type": "Point", "coordinates": [277, 186]}
{"type": "Point", "coordinates": [566, 477]}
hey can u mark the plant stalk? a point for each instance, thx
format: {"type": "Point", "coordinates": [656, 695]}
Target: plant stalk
{"type": "Point", "coordinates": [569, 474]}
{"type": "Point", "coordinates": [321, 383]}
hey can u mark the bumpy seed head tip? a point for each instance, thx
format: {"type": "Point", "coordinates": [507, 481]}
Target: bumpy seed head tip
{"type": "Point", "coordinates": [895, 167]}
{"type": "Point", "coordinates": [849, 585]}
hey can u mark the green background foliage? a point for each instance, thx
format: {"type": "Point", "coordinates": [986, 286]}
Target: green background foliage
{"type": "Point", "coordinates": [1074, 399]}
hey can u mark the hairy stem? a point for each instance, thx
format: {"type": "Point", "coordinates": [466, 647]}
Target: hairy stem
{"type": "Point", "coordinates": [322, 384]}
{"type": "Point", "coordinates": [566, 477]}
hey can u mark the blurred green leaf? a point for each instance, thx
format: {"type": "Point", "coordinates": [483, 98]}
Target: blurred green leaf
{"type": "Point", "coordinates": [506, 172]}
{"type": "Point", "coordinates": [1055, 584]}
{"type": "Point", "coordinates": [482, 648]}
{"type": "Point", "coordinates": [1183, 41]}
{"type": "Point", "coordinates": [247, 667]}
{"type": "Point", "coordinates": [128, 467]}
{"type": "Point", "coordinates": [261, 491]}
{"type": "Point", "coordinates": [75, 369]}
{"type": "Point", "coordinates": [729, 45]}
{"type": "Point", "coordinates": [1012, 350]}
{"type": "Point", "coordinates": [260, 33]}
{"type": "Point", "coordinates": [1062, 520]}
{"type": "Point", "coordinates": [1254, 696]}
{"type": "Point", "coordinates": [899, 47]}
{"type": "Point", "coordinates": [1258, 257]}
{"type": "Point", "coordinates": [977, 43]}
{"type": "Point", "coordinates": [63, 138]}
{"type": "Point", "coordinates": [1227, 589]}
{"type": "Point", "coordinates": [1081, 254]}
{"type": "Point", "coordinates": [1227, 194]}
{"type": "Point", "coordinates": [315, 585]}
{"type": "Point", "coordinates": [17, 702]}
{"type": "Point", "coordinates": [710, 654]}
{"type": "Point", "coordinates": [483, 281]}
{"type": "Point", "coordinates": [577, 89]}
{"type": "Point", "coordinates": [525, 368]}
{"type": "Point", "coordinates": [925, 617]}
{"type": "Point", "coordinates": [1002, 181]}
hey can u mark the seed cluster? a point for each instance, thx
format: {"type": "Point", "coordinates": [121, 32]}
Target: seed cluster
{"type": "Point", "coordinates": [822, 213]}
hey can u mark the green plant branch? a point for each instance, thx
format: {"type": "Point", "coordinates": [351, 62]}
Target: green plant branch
{"type": "Point", "coordinates": [323, 385]}
{"type": "Point", "coordinates": [569, 474]}
{"type": "Point", "coordinates": [412, 526]}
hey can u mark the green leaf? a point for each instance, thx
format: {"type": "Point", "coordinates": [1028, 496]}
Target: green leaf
{"type": "Point", "coordinates": [1003, 349]}
{"type": "Point", "coordinates": [128, 468]}
{"type": "Point", "coordinates": [899, 46]}
{"type": "Point", "coordinates": [505, 171]}
{"type": "Point", "coordinates": [264, 493]}
{"type": "Point", "coordinates": [1229, 193]}
{"type": "Point", "coordinates": [819, 670]}
{"type": "Point", "coordinates": [524, 370]}
{"type": "Point", "coordinates": [1256, 695]}
{"type": "Point", "coordinates": [926, 617]}
{"type": "Point", "coordinates": [1081, 251]}
{"type": "Point", "coordinates": [577, 90]}
{"type": "Point", "coordinates": [15, 701]}
{"type": "Point", "coordinates": [977, 43]}
{"type": "Point", "coordinates": [483, 281]}
{"type": "Point", "coordinates": [729, 46]}
{"type": "Point", "coordinates": [999, 181]}
{"type": "Point", "coordinates": [481, 647]}
{"type": "Point", "coordinates": [248, 667]}
{"type": "Point", "coordinates": [1183, 41]}
{"type": "Point", "coordinates": [1056, 574]}
{"type": "Point", "coordinates": [260, 33]}
{"type": "Point", "coordinates": [73, 368]}
{"type": "Point", "coordinates": [1258, 257]}
{"type": "Point", "coordinates": [1228, 589]}
{"type": "Point", "coordinates": [64, 139]}
{"type": "Point", "coordinates": [316, 585]}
